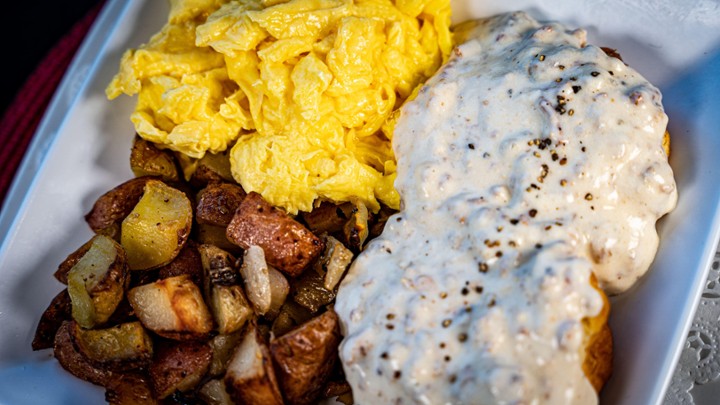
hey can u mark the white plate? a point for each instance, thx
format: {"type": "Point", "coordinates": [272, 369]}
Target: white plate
{"type": "Point", "coordinates": [82, 146]}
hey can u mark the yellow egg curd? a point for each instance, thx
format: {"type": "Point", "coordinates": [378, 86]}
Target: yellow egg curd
{"type": "Point", "coordinates": [303, 91]}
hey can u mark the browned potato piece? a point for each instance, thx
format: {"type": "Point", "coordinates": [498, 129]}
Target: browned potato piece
{"type": "Point", "coordinates": [250, 377]}
{"type": "Point", "coordinates": [121, 347]}
{"type": "Point", "coordinates": [305, 358]}
{"type": "Point", "coordinates": [328, 217]}
{"type": "Point", "coordinates": [157, 228]}
{"type": "Point", "coordinates": [217, 203]}
{"type": "Point", "coordinates": [187, 262]}
{"type": "Point", "coordinates": [288, 245]}
{"type": "Point", "coordinates": [146, 159]}
{"type": "Point", "coordinates": [172, 307]}
{"type": "Point", "coordinates": [74, 362]}
{"type": "Point", "coordinates": [97, 281]}
{"type": "Point", "coordinates": [224, 294]}
{"type": "Point", "coordinates": [179, 366]}
{"type": "Point", "coordinates": [138, 278]}
{"type": "Point", "coordinates": [56, 313]}
{"type": "Point", "coordinates": [212, 168]}
{"type": "Point", "coordinates": [112, 207]}
{"type": "Point", "coordinates": [214, 393]}
{"type": "Point", "coordinates": [130, 389]}
{"type": "Point", "coordinates": [123, 313]}
{"type": "Point", "coordinates": [67, 264]}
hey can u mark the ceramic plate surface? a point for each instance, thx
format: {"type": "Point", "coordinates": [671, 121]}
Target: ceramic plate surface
{"type": "Point", "coordinates": [82, 147]}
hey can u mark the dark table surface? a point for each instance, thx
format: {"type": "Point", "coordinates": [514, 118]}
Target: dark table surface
{"type": "Point", "coordinates": [39, 41]}
{"type": "Point", "coordinates": [31, 29]}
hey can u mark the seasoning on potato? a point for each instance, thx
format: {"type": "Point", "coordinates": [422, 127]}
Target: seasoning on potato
{"type": "Point", "coordinates": [303, 91]}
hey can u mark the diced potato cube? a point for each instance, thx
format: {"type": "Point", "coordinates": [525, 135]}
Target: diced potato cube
{"type": "Point", "coordinates": [97, 281]}
{"type": "Point", "coordinates": [172, 307]}
{"type": "Point", "coordinates": [157, 228]}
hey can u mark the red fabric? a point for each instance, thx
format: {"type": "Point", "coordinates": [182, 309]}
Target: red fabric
{"type": "Point", "coordinates": [22, 117]}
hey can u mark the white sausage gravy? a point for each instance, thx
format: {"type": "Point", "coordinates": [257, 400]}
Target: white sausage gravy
{"type": "Point", "coordinates": [529, 161]}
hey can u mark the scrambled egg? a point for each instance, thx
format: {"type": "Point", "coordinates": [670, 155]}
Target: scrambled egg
{"type": "Point", "coordinates": [303, 91]}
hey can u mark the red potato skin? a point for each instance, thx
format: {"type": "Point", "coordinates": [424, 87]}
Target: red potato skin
{"type": "Point", "coordinates": [217, 203]}
{"type": "Point", "coordinates": [61, 274]}
{"type": "Point", "coordinates": [304, 358]}
{"type": "Point", "coordinates": [59, 310]}
{"type": "Point", "coordinates": [289, 246]}
{"type": "Point", "coordinates": [264, 388]}
{"type": "Point", "coordinates": [179, 365]}
{"type": "Point", "coordinates": [328, 217]}
{"type": "Point", "coordinates": [75, 362]}
{"type": "Point", "coordinates": [130, 389]}
{"type": "Point", "coordinates": [112, 207]}
{"type": "Point", "coordinates": [186, 262]}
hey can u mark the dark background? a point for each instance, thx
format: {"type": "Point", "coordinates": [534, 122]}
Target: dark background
{"type": "Point", "coordinates": [29, 30]}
